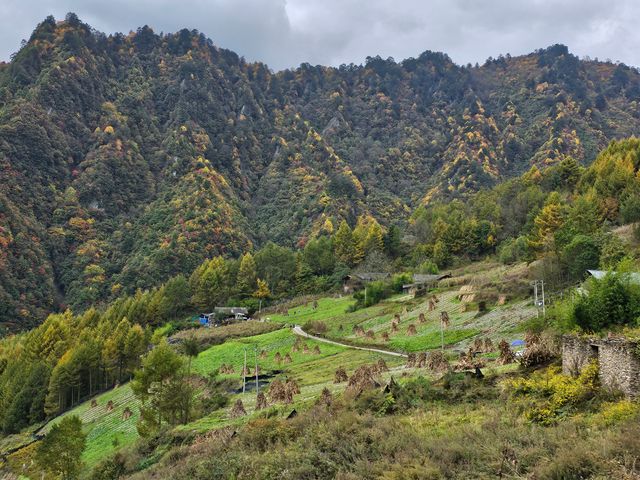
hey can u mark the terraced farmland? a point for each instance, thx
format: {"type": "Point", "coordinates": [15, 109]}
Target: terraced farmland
{"type": "Point", "coordinates": [499, 322]}
{"type": "Point", "coordinates": [106, 430]}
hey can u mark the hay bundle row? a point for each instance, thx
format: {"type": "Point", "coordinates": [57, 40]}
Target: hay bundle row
{"type": "Point", "coordinates": [358, 331]}
{"type": "Point", "coordinates": [411, 330]}
{"type": "Point", "coordinates": [292, 386]}
{"type": "Point", "coordinates": [537, 351]}
{"type": "Point", "coordinates": [411, 360]}
{"type": "Point", "coordinates": [482, 346]}
{"type": "Point", "coordinates": [416, 360]}
{"type": "Point", "coordinates": [433, 303]}
{"type": "Point", "coordinates": [469, 361]}
{"type": "Point", "coordinates": [437, 361]}
{"type": "Point", "coordinates": [385, 337]}
{"type": "Point", "coordinates": [263, 354]}
{"type": "Point", "coordinates": [421, 360]}
{"type": "Point", "coordinates": [467, 294]}
{"type": "Point", "coordinates": [371, 335]}
{"type": "Point", "coordinates": [506, 354]}
{"type": "Point", "coordinates": [422, 318]}
{"type": "Point", "coordinates": [382, 365]}
{"type": "Point", "coordinates": [299, 342]}
{"type": "Point", "coordinates": [238, 409]}
{"type": "Point", "coordinates": [340, 375]}
{"type": "Point", "coordinates": [444, 318]}
{"type": "Point", "coordinates": [364, 378]}
{"type": "Point", "coordinates": [280, 391]}
{"type": "Point", "coordinates": [261, 401]}
{"type": "Point", "coordinates": [326, 398]}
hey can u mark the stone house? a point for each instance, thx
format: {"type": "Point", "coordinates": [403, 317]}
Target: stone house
{"type": "Point", "coordinates": [618, 359]}
{"type": "Point", "coordinates": [423, 282]}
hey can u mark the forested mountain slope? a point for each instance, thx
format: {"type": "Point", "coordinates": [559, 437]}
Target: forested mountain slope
{"type": "Point", "coordinates": [125, 159]}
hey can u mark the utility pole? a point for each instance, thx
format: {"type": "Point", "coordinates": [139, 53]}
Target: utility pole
{"type": "Point", "coordinates": [244, 372]}
{"type": "Point", "coordinates": [441, 334]}
{"type": "Point", "coordinates": [255, 353]}
{"type": "Point", "coordinates": [539, 301]}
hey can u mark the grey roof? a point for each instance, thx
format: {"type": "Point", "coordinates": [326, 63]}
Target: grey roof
{"type": "Point", "coordinates": [369, 276]}
{"type": "Point", "coordinates": [633, 277]}
{"type": "Point", "coordinates": [427, 278]}
{"type": "Point", "coordinates": [232, 310]}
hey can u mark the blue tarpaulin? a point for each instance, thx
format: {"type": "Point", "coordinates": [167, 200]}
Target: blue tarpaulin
{"type": "Point", "coordinates": [517, 343]}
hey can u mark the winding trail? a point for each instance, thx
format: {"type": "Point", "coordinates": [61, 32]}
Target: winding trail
{"type": "Point", "coordinates": [297, 329]}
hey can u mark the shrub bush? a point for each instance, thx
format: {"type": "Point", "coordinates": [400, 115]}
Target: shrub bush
{"type": "Point", "coordinates": [549, 395]}
{"type": "Point", "coordinates": [316, 327]}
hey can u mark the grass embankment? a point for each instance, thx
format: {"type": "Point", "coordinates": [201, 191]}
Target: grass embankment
{"type": "Point", "coordinates": [208, 336]}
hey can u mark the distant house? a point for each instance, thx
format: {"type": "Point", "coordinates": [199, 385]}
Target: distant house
{"type": "Point", "coordinates": [423, 283]}
{"type": "Point", "coordinates": [357, 281]}
{"type": "Point", "coordinates": [618, 361]}
{"type": "Point", "coordinates": [238, 313]}
{"type": "Point", "coordinates": [223, 313]}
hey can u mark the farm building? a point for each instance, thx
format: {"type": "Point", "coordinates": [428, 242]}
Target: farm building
{"type": "Point", "coordinates": [423, 282]}
{"type": "Point", "coordinates": [222, 313]}
{"type": "Point", "coordinates": [357, 281]}
{"type": "Point", "coordinates": [618, 359]}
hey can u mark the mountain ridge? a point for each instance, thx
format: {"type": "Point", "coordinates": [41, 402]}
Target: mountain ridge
{"type": "Point", "coordinates": [129, 158]}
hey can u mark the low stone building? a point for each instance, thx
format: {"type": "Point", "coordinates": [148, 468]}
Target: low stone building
{"type": "Point", "coordinates": [423, 283]}
{"type": "Point", "coordinates": [618, 359]}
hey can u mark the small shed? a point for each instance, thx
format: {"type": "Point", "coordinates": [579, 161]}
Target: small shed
{"type": "Point", "coordinates": [618, 360]}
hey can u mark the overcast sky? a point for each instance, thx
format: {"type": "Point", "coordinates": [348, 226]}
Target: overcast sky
{"type": "Point", "coordinates": [285, 33]}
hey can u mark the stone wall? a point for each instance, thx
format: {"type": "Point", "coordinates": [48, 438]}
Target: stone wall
{"type": "Point", "coordinates": [619, 361]}
{"type": "Point", "coordinates": [620, 366]}
{"type": "Point", "coordinates": [576, 353]}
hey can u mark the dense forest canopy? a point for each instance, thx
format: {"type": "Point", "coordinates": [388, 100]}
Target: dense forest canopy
{"type": "Point", "coordinates": [126, 160]}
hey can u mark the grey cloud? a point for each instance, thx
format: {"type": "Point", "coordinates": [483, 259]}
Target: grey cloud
{"type": "Point", "coordinates": [285, 33]}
